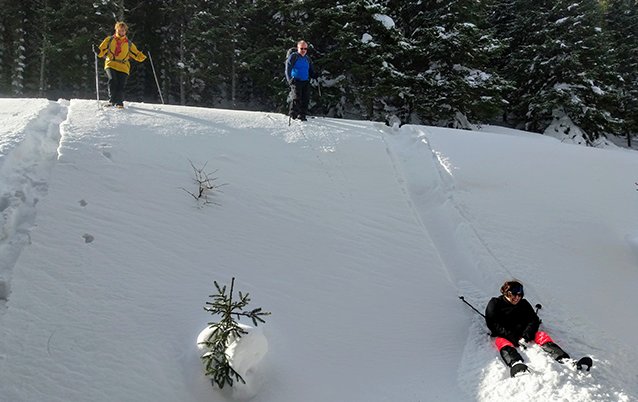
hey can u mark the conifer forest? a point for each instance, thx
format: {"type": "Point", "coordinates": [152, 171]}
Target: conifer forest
{"type": "Point", "coordinates": [438, 62]}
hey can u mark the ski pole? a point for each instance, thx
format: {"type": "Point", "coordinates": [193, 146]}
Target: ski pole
{"type": "Point", "coordinates": [472, 307]}
{"type": "Point", "coordinates": [290, 105]}
{"type": "Point", "coordinates": [155, 75]}
{"type": "Point", "coordinates": [538, 307]}
{"type": "Point", "coordinates": [97, 80]}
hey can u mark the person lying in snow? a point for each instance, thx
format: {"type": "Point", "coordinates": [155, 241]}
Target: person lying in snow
{"type": "Point", "coordinates": [514, 323]}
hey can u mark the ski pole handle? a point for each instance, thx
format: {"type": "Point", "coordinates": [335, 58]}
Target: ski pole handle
{"type": "Point", "coordinates": [538, 307]}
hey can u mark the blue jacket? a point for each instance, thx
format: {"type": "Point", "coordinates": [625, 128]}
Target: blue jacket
{"type": "Point", "coordinates": [299, 68]}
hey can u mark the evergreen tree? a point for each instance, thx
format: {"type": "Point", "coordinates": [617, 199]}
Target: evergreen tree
{"type": "Point", "coordinates": [3, 24]}
{"type": "Point", "coordinates": [64, 48]}
{"type": "Point", "coordinates": [203, 61]}
{"type": "Point", "coordinates": [358, 45]}
{"type": "Point", "coordinates": [453, 48]}
{"type": "Point", "coordinates": [559, 61]}
{"type": "Point", "coordinates": [622, 23]}
{"type": "Point", "coordinates": [224, 42]}
{"type": "Point", "coordinates": [225, 331]}
{"type": "Point", "coordinates": [181, 54]}
{"type": "Point", "coordinates": [19, 55]}
{"type": "Point", "coordinates": [272, 28]}
{"type": "Point", "coordinates": [430, 61]}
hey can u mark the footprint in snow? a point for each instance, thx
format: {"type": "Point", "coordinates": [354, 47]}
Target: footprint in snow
{"type": "Point", "coordinates": [104, 148]}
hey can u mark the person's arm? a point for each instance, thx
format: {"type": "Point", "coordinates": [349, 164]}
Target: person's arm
{"type": "Point", "coordinates": [494, 323]}
{"type": "Point", "coordinates": [289, 65]}
{"type": "Point", "coordinates": [104, 47]}
{"type": "Point", "coordinates": [533, 322]}
{"type": "Point", "coordinates": [136, 54]}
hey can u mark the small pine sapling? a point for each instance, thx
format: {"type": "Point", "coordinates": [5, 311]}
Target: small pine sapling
{"type": "Point", "coordinates": [226, 331]}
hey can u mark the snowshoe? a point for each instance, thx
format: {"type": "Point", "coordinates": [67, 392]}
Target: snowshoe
{"type": "Point", "coordinates": [518, 368]}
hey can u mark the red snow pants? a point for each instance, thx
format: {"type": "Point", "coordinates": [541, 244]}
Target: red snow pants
{"type": "Point", "coordinates": [541, 338]}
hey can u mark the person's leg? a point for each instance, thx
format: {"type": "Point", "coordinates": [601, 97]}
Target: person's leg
{"type": "Point", "coordinates": [508, 352]}
{"type": "Point", "coordinates": [111, 84]}
{"type": "Point", "coordinates": [547, 344]}
{"type": "Point", "coordinates": [120, 83]}
{"type": "Point", "coordinates": [295, 94]}
{"type": "Point", "coordinates": [305, 99]}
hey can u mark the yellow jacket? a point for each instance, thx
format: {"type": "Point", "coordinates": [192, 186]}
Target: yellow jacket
{"type": "Point", "coordinates": [118, 50]}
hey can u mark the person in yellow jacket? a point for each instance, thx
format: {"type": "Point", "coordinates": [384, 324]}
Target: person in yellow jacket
{"type": "Point", "coordinates": [118, 50]}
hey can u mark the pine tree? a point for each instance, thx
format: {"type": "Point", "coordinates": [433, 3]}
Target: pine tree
{"type": "Point", "coordinates": [276, 25]}
{"type": "Point", "coordinates": [19, 57]}
{"type": "Point", "coordinates": [558, 58]}
{"type": "Point", "coordinates": [622, 23]}
{"type": "Point", "coordinates": [359, 56]}
{"type": "Point", "coordinates": [2, 51]}
{"type": "Point", "coordinates": [226, 330]}
{"type": "Point", "coordinates": [219, 42]}
{"type": "Point", "coordinates": [453, 48]}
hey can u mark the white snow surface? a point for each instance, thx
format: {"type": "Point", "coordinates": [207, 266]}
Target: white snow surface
{"type": "Point", "coordinates": [359, 238]}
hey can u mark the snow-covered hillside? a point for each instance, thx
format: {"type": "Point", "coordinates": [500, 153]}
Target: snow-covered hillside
{"type": "Point", "coordinates": [359, 238]}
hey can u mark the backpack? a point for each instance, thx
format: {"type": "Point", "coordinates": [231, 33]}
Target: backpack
{"type": "Point", "coordinates": [292, 50]}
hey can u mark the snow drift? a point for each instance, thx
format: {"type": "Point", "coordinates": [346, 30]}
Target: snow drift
{"type": "Point", "coordinates": [358, 237]}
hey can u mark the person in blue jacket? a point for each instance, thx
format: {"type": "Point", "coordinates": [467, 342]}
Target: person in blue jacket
{"type": "Point", "coordinates": [299, 71]}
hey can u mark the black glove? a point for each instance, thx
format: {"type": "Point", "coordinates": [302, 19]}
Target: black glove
{"type": "Point", "coordinates": [528, 337]}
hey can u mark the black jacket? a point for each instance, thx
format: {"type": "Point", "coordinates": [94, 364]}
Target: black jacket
{"type": "Point", "coordinates": [510, 321]}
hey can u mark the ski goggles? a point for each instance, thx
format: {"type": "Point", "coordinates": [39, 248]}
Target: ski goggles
{"type": "Point", "coordinates": [516, 290]}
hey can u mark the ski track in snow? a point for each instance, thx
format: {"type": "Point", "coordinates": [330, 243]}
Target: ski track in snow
{"type": "Point", "coordinates": [428, 181]}
{"type": "Point", "coordinates": [24, 173]}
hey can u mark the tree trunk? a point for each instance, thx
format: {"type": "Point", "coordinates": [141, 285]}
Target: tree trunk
{"type": "Point", "coordinates": [182, 75]}
{"type": "Point", "coordinates": [43, 62]}
{"type": "Point", "coordinates": [233, 74]}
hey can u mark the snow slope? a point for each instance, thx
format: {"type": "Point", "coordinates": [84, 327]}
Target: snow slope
{"type": "Point", "coordinates": [359, 238]}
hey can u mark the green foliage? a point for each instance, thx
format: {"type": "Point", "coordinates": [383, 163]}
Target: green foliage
{"type": "Point", "coordinates": [454, 70]}
{"type": "Point", "coordinates": [225, 331]}
{"type": "Point", "coordinates": [439, 59]}
{"type": "Point", "coordinates": [558, 58]}
{"type": "Point", "coordinates": [621, 17]}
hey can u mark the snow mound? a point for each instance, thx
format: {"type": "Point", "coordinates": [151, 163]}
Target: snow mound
{"type": "Point", "coordinates": [244, 355]}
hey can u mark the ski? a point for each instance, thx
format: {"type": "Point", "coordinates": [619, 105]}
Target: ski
{"type": "Point", "coordinates": [109, 105]}
{"type": "Point", "coordinates": [583, 364]}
